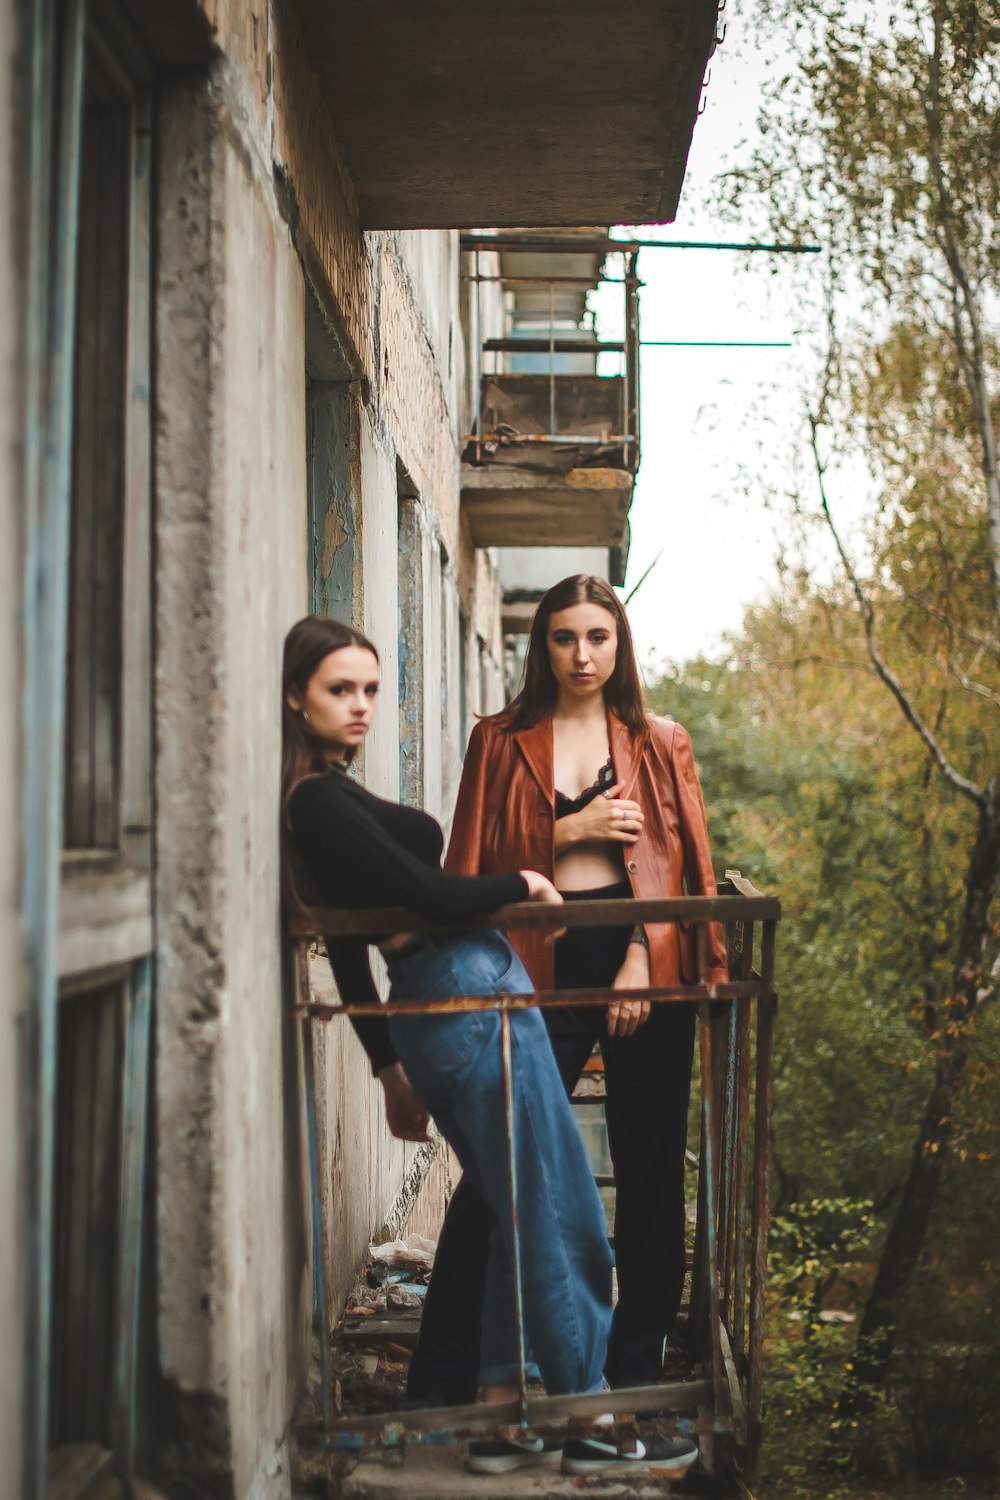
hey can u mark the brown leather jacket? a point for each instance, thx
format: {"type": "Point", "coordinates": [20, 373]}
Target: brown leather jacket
{"type": "Point", "coordinates": [505, 820]}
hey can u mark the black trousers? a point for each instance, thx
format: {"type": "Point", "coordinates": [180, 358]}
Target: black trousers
{"type": "Point", "coordinates": [648, 1078]}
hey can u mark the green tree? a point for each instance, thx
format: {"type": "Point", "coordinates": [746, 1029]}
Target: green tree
{"type": "Point", "coordinates": [883, 140]}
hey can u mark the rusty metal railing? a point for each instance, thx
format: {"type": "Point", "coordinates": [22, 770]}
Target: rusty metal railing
{"type": "Point", "coordinates": [720, 1405]}
{"type": "Point", "coordinates": [491, 440]}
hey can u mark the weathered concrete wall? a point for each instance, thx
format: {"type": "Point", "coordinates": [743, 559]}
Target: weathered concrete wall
{"type": "Point", "coordinates": [432, 265]}
{"type": "Point", "coordinates": [252, 190]}
{"type": "Point", "coordinates": [231, 577]}
{"type": "Point", "coordinates": [12, 991]}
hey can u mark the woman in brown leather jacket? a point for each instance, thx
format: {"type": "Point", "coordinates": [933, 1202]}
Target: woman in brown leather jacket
{"type": "Point", "coordinates": [576, 780]}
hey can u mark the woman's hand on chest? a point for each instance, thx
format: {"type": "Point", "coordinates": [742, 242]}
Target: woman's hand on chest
{"type": "Point", "coordinates": [610, 818]}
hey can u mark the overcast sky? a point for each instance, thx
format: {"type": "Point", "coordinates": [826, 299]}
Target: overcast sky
{"type": "Point", "coordinates": [708, 414]}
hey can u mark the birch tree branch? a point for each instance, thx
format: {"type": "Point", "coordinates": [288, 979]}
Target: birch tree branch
{"type": "Point", "coordinates": [983, 643]}
{"type": "Point", "coordinates": [965, 304]}
{"type": "Point", "coordinates": [961, 783]}
{"type": "Point", "coordinates": [971, 686]}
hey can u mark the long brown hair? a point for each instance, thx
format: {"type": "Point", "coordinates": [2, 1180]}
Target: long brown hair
{"type": "Point", "coordinates": [307, 644]}
{"type": "Point", "coordinates": [623, 693]}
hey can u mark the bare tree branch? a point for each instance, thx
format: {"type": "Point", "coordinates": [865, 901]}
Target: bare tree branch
{"type": "Point", "coordinates": [815, 659]}
{"type": "Point", "coordinates": [961, 783]}
{"type": "Point", "coordinates": [985, 643]}
{"type": "Point", "coordinates": [971, 686]}
{"type": "Point", "coordinates": [965, 304]}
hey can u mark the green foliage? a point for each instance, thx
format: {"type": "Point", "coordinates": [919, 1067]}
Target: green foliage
{"type": "Point", "coordinates": [817, 1248]}
{"type": "Point", "coordinates": [947, 1388]}
{"type": "Point", "coordinates": [881, 138]}
{"type": "Point", "coordinates": [817, 790]}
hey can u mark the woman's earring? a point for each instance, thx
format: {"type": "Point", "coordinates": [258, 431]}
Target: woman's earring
{"type": "Point", "coordinates": [305, 716]}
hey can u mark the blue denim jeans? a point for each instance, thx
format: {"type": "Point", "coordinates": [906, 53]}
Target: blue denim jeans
{"type": "Point", "coordinates": [454, 1064]}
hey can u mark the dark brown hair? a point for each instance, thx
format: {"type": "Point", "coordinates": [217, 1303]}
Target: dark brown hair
{"type": "Point", "coordinates": [307, 644]}
{"type": "Point", "coordinates": [623, 693]}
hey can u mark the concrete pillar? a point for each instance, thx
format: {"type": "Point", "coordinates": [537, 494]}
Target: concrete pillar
{"type": "Point", "coordinates": [231, 561]}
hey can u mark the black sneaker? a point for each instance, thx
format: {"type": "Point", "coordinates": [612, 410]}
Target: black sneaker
{"type": "Point", "coordinates": [501, 1455]}
{"type": "Point", "coordinates": [590, 1456]}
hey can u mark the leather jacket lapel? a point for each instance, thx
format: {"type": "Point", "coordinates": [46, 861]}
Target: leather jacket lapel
{"type": "Point", "coordinates": [535, 745]}
{"type": "Point", "coordinates": [626, 752]}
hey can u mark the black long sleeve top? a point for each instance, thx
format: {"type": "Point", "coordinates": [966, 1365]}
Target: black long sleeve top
{"type": "Point", "coordinates": [360, 850]}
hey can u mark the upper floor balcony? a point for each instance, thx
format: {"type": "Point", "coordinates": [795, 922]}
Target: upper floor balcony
{"type": "Point", "coordinates": [554, 443]}
{"type": "Point", "coordinates": [549, 112]}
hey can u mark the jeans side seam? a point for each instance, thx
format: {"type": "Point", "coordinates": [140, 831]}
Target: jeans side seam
{"type": "Point", "coordinates": [553, 1203]}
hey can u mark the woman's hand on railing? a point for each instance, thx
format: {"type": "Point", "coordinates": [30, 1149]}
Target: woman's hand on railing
{"type": "Point", "coordinates": [540, 888]}
{"type": "Point", "coordinates": [607, 819]}
{"type": "Point", "coordinates": [405, 1116]}
{"type": "Point", "coordinates": [626, 1016]}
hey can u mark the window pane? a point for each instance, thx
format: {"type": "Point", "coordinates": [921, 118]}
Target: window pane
{"type": "Point", "coordinates": [93, 666]}
{"type": "Point", "coordinates": [87, 1170]}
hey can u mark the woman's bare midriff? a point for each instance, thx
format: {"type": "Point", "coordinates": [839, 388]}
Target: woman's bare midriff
{"type": "Point", "coordinates": [587, 867]}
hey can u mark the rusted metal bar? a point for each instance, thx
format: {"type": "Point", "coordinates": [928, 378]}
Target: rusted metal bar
{"type": "Point", "coordinates": [698, 1306]}
{"type": "Point", "coordinates": [515, 1241]}
{"type": "Point", "coordinates": [734, 941]}
{"type": "Point", "coordinates": [479, 363]}
{"type": "Point", "coordinates": [725, 1023]}
{"type": "Point", "coordinates": [632, 360]}
{"type": "Point", "coordinates": [385, 921]}
{"type": "Point", "coordinates": [595, 280]}
{"type": "Point", "coordinates": [552, 362]}
{"type": "Point", "coordinates": [737, 1403]}
{"type": "Point", "coordinates": [315, 1196]}
{"type": "Point", "coordinates": [721, 1239]}
{"type": "Point", "coordinates": [508, 440]}
{"type": "Point", "coordinates": [728, 1075]}
{"type": "Point", "coordinates": [547, 244]}
{"type": "Point", "coordinates": [739, 1313]}
{"type": "Point", "coordinates": [676, 994]}
{"type": "Point", "coordinates": [392, 1441]}
{"type": "Point", "coordinates": [583, 244]}
{"type": "Point", "coordinates": [761, 1196]}
{"type": "Point", "coordinates": [711, 1279]}
{"type": "Point", "coordinates": [301, 987]}
{"type": "Point", "coordinates": [560, 346]}
{"type": "Point", "coordinates": [684, 1395]}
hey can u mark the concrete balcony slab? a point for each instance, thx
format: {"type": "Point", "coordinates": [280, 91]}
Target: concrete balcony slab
{"type": "Point", "coordinates": [507, 506]}
{"type": "Point", "coordinates": [534, 112]}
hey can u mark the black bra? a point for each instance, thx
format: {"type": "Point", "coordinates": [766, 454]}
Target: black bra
{"type": "Point", "coordinates": [605, 778]}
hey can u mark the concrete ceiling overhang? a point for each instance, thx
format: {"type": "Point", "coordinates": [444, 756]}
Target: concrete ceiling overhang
{"type": "Point", "coordinates": [454, 113]}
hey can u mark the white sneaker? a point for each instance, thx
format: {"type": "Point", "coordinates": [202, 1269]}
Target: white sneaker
{"type": "Point", "coordinates": [501, 1455]}
{"type": "Point", "coordinates": [590, 1456]}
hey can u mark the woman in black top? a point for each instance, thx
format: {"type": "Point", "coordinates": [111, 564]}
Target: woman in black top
{"type": "Point", "coordinates": [342, 846]}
